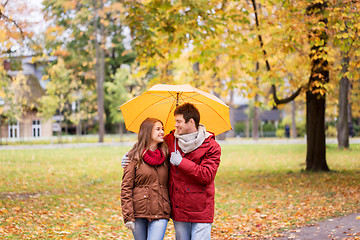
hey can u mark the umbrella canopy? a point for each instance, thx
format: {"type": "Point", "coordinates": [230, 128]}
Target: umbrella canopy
{"type": "Point", "coordinates": [161, 100]}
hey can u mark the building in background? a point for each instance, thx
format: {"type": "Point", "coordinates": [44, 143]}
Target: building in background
{"type": "Point", "coordinates": [30, 125]}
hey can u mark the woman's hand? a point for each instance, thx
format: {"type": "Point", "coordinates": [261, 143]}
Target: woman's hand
{"type": "Point", "coordinates": [130, 225]}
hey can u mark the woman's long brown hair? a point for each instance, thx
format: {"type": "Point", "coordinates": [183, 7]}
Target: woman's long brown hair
{"type": "Point", "coordinates": [144, 140]}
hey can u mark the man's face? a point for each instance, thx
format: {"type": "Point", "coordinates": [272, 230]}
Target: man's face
{"type": "Point", "coordinates": [183, 127]}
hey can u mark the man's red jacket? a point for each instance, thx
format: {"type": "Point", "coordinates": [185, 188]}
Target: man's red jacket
{"type": "Point", "coordinates": [191, 184]}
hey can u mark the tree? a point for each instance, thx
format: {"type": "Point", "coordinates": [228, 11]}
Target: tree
{"type": "Point", "coordinates": [161, 31]}
{"type": "Point", "coordinates": [117, 93]}
{"type": "Point", "coordinates": [315, 89]}
{"type": "Point", "coordinates": [13, 35]}
{"type": "Point", "coordinates": [344, 16]}
{"type": "Point", "coordinates": [316, 92]}
{"type": "Point", "coordinates": [100, 66]}
{"type": "Point", "coordinates": [88, 36]}
{"type": "Point", "coordinates": [343, 121]}
{"type": "Point", "coordinates": [59, 93]}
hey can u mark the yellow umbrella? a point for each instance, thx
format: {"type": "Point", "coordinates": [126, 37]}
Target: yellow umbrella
{"type": "Point", "coordinates": [161, 100]}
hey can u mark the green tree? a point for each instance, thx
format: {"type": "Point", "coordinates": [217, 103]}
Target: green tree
{"type": "Point", "coordinates": [88, 36]}
{"type": "Point", "coordinates": [117, 93]}
{"type": "Point", "coordinates": [60, 91]}
{"type": "Point", "coordinates": [344, 17]}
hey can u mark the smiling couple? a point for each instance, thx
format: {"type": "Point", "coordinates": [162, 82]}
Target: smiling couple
{"type": "Point", "coordinates": [171, 176]}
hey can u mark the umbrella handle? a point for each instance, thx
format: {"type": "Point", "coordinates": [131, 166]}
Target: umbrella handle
{"type": "Point", "coordinates": [175, 143]}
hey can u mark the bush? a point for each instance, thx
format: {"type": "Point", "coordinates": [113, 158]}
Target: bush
{"type": "Point", "coordinates": [331, 131]}
{"type": "Point", "coordinates": [269, 127]}
{"type": "Point", "coordinates": [280, 132]}
{"type": "Point", "coordinates": [356, 130]}
{"type": "Point", "coordinates": [301, 128]}
{"type": "Point", "coordinates": [240, 128]}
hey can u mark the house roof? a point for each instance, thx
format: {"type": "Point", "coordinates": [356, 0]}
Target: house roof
{"type": "Point", "coordinates": [265, 115]}
{"type": "Point", "coordinates": [240, 115]}
{"type": "Point", "coordinates": [34, 93]}
{"type": "Point", "coordinates": [270, 115]}
{"type": "Point", "coordinates": [30, 93]}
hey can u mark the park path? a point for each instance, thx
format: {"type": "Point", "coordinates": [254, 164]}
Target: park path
{"type": "Point", "coordinates": [115, 144]}
{"type": "Point", "coordinates": [346, 227]}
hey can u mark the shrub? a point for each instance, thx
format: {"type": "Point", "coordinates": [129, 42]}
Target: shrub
{"type": "Point", "coordinates": [280, 132]}
{"type": "Point", "coordinates": [331, 131]}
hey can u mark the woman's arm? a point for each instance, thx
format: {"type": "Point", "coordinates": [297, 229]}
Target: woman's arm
{"type": "Point", "coordinates": [127, 186]}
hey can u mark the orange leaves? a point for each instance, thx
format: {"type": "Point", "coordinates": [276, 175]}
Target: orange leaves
{"type": "Point", "coordinates": [115, 7]}
{"type": "Point", "coordinates": [14, 29]}
{"type": "Point", "coordinates": [69, 5]}
{"type": "Point", "coordinates": [253, 200]}
{"type": "Point", "coordinates": [60, 52]}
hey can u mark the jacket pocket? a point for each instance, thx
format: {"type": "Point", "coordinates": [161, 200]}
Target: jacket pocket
{"type": "Point", "coordinates": [140, 199]}
{"type": "Point", "coordinates": [166, 201]}
{"type": "Point", "coordinates": [195, 198]}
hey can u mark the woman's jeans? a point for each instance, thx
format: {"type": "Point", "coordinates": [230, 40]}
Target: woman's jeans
{"type": "Point", "coordinates": [150, 230]}
{"type": "Point", "coordinates": [192, 231]}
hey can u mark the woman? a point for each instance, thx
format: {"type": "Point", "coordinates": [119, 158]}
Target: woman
{"type": "Point", "coordinates": [144, 189]}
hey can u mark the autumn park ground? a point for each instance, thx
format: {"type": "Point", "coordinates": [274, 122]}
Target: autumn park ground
{"type": "Point", "coordinates": [262, 191]}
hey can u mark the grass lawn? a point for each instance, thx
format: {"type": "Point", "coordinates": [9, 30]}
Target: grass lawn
{"type": "Point", "coordinates": [260, 191]}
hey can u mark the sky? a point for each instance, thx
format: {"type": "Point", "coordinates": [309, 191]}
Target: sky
{"type": "Point", "coordinates": [33, 16]}
{"type": "Point", "coordinates": [36, 15]}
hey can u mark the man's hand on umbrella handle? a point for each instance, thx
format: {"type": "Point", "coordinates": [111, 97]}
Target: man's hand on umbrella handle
{"type": "Point", "coordinates": [125, 160]}
{"type": "Point", "coordinates": [176, 158]}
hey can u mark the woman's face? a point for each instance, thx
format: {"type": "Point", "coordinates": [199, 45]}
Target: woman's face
{"type": "Point", "coordinates": [157, 134]}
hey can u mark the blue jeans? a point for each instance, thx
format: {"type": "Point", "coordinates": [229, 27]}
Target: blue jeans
{"type": "Point", "coordinates": [192, 231]}
{"type": "Point", "coordinates": [150, 230]}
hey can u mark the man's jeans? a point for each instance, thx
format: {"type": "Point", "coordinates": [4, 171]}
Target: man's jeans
{"type": "Point", "coordinates": [150, 230]}
{"type": "Point", "coordinates": [192, 231]}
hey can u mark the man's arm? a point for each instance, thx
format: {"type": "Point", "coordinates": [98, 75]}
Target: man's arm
{"type": "Point", "coordinates": [125, 160]}
{"type": "Point", "coordinates": [204, 172]}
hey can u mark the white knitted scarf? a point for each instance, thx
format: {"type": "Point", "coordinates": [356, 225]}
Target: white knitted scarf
{"type": "Point", "coordinates": [190, 142]}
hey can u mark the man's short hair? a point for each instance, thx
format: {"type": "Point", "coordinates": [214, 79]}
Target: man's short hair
{"type": "Point", "coordinates": [188, 110]}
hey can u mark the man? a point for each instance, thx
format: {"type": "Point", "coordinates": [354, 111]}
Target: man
{"type": "Point", "coordinates": [195, 158]}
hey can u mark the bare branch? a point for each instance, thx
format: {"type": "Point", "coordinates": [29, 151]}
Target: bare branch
{"type": "Point", "coordinates": [14, 22]}
{"type": "Point", "coordinates": [273, 87]}
{"type": "Point", "coordinates": [284, 100]}
{"type": "Point", "coordinates": [5, 3]}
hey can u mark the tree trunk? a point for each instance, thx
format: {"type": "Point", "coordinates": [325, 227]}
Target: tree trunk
{"type": "Point", "coordinates": [0, 130]}
{"type": "Point", "coordinates": [256, 121]}
{"type": "Point", "coordinates": [78, 129]}
{"type": "Point", "coordinates": [293, 116]}
{"type": "Point", "coordinates": [316, 97]}
{"type": "Point", "coordinates": [247, 128]}
{"type": "Point", "coordinates": [100, 70]}
{"type": "Point", "coordinates": [59, 135]}
{"type": "Point", "coordinates": [196, 69]}
{"type": "Point", "coordinates": [343, 122]}
{"type": "Point", "coordinates": [351, 126]}
{"type": "Point", "coordinates": [315, 132]}
{"type": "Point", "coordinates": [121, 130]}
{"type": "Point", "coordinates": [231, 133]}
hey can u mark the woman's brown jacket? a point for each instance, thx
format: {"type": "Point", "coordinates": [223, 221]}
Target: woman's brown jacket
{"type": "Point", "coordinates": [144, 191]}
